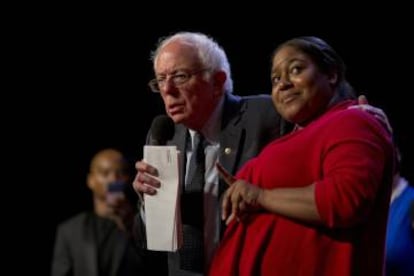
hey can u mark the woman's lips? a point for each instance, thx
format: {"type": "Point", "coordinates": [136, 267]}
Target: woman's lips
{"type": "Point", "coordinates": [289, 98]}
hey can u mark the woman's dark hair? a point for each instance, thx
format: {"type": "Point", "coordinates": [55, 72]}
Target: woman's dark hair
{"type": "Point", "coordinates": [325, 57]}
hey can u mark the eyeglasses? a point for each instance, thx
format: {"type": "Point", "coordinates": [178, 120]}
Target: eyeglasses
{"type": "Point", "coordinates": [178, 78]}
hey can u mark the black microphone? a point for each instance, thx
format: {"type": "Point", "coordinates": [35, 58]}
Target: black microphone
{"type": "Point", "coordinates": [162, 130]}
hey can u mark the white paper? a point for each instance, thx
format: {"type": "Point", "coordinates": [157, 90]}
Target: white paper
{"type": "Point", "coordinates": [162, 219]}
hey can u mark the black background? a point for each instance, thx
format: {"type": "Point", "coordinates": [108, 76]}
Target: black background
{"type": "Point", "coordinates": [90, 70]}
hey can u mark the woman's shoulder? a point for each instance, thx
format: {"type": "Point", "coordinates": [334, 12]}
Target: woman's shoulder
{"type": "Point", "coordinates": [348, 112]}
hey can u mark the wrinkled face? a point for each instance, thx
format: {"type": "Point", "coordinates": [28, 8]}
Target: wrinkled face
{"type": "Point", "coordinates": [300, 91]}
{"type": "Point", "coordinates": [190, 102]}
{"type": "Point", "coordinates": [106, 168]}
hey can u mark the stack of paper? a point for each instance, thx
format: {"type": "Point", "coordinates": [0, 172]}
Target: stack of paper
{"type": "Point", "coordinates": [162, 211]}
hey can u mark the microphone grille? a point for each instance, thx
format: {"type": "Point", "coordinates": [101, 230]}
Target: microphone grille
{"type": "Point", "coordinates": [162, 129]}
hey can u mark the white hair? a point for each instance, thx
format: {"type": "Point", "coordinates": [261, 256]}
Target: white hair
{"type": "Point", "coordinates": [210, 53]}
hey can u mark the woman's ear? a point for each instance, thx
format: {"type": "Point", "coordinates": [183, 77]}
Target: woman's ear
{"type": "Point", "coordinates": [333, 78]}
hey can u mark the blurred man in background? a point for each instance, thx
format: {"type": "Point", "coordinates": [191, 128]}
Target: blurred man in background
{"type": "Point", "coordinates": [98, 242]}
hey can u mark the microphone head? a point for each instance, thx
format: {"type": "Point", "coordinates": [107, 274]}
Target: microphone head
{"type": "Point", "coordinates": [162, 129]}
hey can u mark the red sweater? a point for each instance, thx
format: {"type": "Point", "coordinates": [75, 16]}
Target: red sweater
{"type": "Point", "coordinates": [349, 156]}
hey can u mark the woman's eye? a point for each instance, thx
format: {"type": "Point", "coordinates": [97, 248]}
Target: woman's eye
{"type": "Point", "coordinates": [295, 70]}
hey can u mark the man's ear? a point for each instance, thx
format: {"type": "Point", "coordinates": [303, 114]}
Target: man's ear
{"type": "Point", "coordinates": [90, 181]}
{"type": "Point", "coordinates": [219, 79]}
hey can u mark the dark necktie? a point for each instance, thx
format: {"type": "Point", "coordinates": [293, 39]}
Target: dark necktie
{"type": "Point", "coordinates": [197, 166]}
{"type": "Point", "coordinates": [192, 251]}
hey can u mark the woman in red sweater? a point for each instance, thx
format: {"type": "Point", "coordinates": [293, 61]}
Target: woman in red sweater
{"type": "Point", "coordinates": [314, 202]}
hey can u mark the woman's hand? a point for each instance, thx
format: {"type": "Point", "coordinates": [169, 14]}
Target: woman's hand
{"type": "Point", "coordinates": [240, 197]}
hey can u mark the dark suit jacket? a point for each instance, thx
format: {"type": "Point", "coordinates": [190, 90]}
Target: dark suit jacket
{"type": "Point", "coordinates": [75, 251]}
{"type": "Point", "coordinates": [248, 123]}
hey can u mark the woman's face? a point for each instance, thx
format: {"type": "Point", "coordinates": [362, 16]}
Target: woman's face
{"type": "Point", "coordinates": [300, 91]}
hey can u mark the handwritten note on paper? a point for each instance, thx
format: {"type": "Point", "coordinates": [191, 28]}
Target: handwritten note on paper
{"type": "Point", "coordinates": [162, 218]}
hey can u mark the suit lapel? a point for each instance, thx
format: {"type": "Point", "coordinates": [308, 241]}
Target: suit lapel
{"type": "Point", "coordinates": [232, 135]}
{"type": "Point", "coordinates": [90, 247]}
{"type": "Point", "coordinates": [119, 251]}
